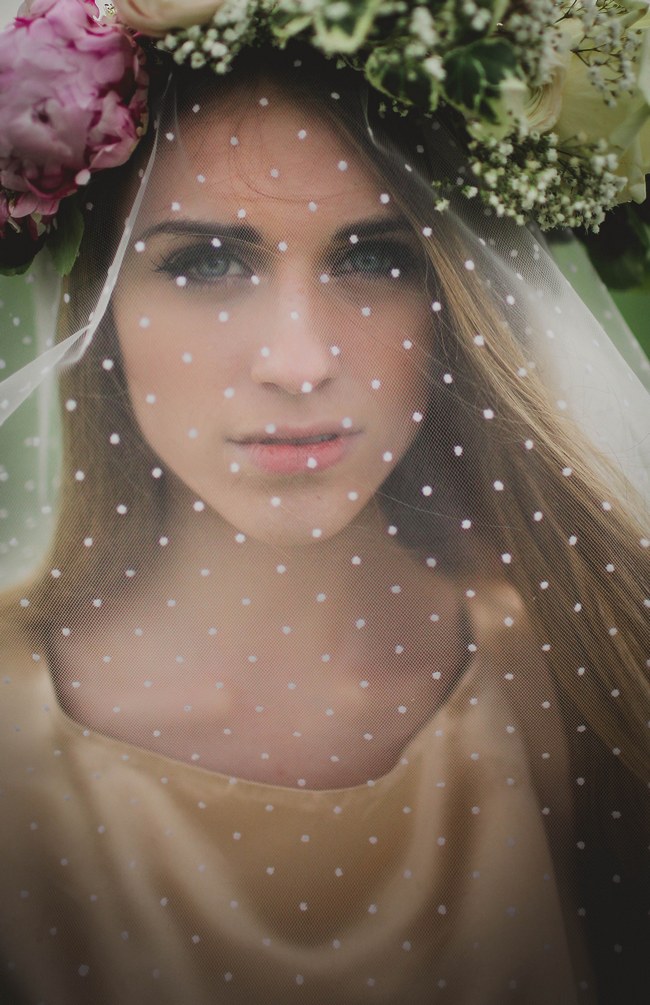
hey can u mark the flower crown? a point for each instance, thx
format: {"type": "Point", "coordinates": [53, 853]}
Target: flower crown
{"type": "Point", "coordinates": [552, 96]}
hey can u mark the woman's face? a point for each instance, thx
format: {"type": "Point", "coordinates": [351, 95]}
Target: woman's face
{"type": "Point", "coordinates": [273, 319]}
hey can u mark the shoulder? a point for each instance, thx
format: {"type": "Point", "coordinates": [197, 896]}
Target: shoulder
{"type": "Point", "coordinates": [511, 660]}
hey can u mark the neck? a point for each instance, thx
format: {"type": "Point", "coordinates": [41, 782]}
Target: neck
{"type": "Point", "coordinates": [305, 600]}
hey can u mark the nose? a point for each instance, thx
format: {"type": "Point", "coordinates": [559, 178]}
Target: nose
{"type": "Point", "coordinates": [294, 354]}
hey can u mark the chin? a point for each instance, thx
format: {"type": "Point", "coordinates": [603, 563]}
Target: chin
{"type": "Point", "coordinates": [294, 527]}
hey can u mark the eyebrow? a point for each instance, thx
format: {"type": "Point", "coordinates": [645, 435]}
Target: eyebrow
{"type": "Point", "coordinates": [370, 227]}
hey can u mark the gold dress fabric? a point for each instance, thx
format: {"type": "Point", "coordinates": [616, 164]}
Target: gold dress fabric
{"type": "Point", "coordinates": [133, 878]}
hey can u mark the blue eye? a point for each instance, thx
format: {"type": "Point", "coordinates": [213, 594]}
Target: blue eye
{"type": "Point", "coordinates": [376, 259]}
{"type": "Point", "coordinates": [203, 264]}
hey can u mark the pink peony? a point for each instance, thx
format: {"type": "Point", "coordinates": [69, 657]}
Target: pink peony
{"type": "Point", "coordinates": [72, 101]}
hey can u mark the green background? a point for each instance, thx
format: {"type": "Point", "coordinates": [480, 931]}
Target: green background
{"type": "Point", "coordinates": [635, 308]}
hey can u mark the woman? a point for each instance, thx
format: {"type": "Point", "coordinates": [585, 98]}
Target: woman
{"type": "Point", "coordinates": [315, 696]}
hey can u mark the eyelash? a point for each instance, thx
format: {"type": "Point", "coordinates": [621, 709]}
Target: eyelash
{"type": "Point", "coordinates": [389, 256]}
{"type": "Point", "coordinates": [188, 261]}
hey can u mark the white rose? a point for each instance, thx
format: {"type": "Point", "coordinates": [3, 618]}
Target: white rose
{"type": "Point", "coordinates": [156, 17]}
{"type": "Point", "coordinates": [544, 104]}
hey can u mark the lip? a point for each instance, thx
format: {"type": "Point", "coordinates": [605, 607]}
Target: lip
{"type": "Point", "coordinates": [296, 450]}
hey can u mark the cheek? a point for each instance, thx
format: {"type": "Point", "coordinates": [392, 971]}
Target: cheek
{"type": "Point", "coordinates": [399, 356]}
{"type": "Point", "coordinates": [176, 379]}
{"type": "Point", "coordinates": [157, 382]}
{"type": "Point", "coordinates": [405, 367]}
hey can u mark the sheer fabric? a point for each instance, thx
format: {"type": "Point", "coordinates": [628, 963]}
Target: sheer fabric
{"type": "Point", "coordinates": [328, 681]}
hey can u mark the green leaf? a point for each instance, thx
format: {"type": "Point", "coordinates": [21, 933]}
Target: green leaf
{"type": "Point", "coordinates": [65, 236]}
{"type": "Point", "coordinates": [408, 82]}
{"type": "Point", "coordinates": [285, 24]}
{"type": "Point", "coordinates": [474, 74]}
{"type": "Point", "coordinates": [337, 27]}
{"type": "Point", "coordinates": [347, 30]}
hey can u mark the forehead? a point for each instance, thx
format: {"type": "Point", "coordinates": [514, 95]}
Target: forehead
{"type": "Point", "coordinates": [259, 152]}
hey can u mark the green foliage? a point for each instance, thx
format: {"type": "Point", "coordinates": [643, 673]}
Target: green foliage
{"type": "Point", "coordinates": [65, 237]}
{"type": "Point", "coordinates": [343, 27]}
{"type": "Point", "coordinates": [474, 73]}
{"type": "Point", "coordinates": [390, 74]}
{"type": "Point", "coordinates": [621, 250]}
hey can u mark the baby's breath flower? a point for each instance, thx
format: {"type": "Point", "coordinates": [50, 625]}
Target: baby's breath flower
{"type": "Point", "coordinates": [231, 28]}
{"type": "Point", "coordinates": [556, 186]}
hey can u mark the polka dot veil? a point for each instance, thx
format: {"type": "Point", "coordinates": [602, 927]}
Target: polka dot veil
{"type": "Point", "coordinates": [324, 604]}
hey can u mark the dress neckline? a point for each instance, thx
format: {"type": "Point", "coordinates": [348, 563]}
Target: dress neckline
{"type": "Point", "coordinates": [133, 752]}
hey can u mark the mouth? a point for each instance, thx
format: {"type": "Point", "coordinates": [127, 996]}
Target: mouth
{"type": "Point", "coordinates": [290, 440]}
{"type": "Point", "coordinates": [291, 452]}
